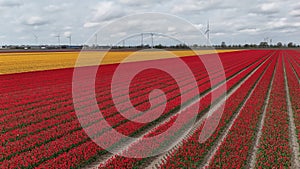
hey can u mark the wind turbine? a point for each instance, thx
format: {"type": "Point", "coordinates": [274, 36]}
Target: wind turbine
{"type": "Point", "coordinates": [266, 39]}
{"type": "Point", "coordinates": [36, 38]}
{"type": "Point", "coordinates": [70, 39]}
{"type": "Point", "coordinates": [142, 39]}
{"type": "Point", "coordinates": [58, 39]}
{"type": "Point", "coordinates": [152, 40]}
{"type": "Point", "coordinates": [96, 40]}
{"type": "Point", "coordinates": [207, 33]}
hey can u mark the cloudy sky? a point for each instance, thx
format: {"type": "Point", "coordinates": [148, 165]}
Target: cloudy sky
{"type": "Point", "coordinates": [232, 21]}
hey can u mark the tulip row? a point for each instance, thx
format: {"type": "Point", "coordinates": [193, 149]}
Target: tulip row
{"type": "Point", "coordinates": [294, 90]}
{"type": "Point", "coordinates": [236, 149]}
{"type": "Point", "coordinates": [274, 149]}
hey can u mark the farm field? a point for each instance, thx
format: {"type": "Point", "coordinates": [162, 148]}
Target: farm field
{"type": "Point", "coordinates": [33, 61]}
{"type": "Point", "coordinates": [259, 127]}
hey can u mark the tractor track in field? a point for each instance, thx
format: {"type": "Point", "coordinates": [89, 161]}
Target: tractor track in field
{"type": "Point", "coordinates": [292, 127]}
{"type": "Point", "coordinates": [104, 158]}
{"type": "Point", "coordinates": [252, 160]}
{"type": "Point", "coordinates": [163, 157]}
{"type": "Point", "coordinates": [219, 141]}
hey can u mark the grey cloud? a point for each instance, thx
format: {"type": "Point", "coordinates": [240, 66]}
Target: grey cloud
{"type": "Point", "coordinates": [295, 12]}
{"type": "Point", "coordinates": [140, 3]}
{"type": "Point", "coordinates": [194, 6]}
{"type": "Point", "coordinates": [10, 3]}
{"type": "Point", "coordinates": [231, 20]}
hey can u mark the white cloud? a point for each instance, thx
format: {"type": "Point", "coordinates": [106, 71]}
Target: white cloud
{"type": "Point", "coordinates": [170, 28]}
{"type": "Point", "coordinates": [107, 10]}
{"type": "Point", "coordinates": [120, 34]}
{"type": "Point", "coordinates": [54, 34]}
{"type": "Point", "coordinates": [67, 33]}
{"type": "Point", "coordinates": [200, 26]}
{"type": "Point", "coordinates": [35, 21]}
{"type": "Point", "coordinates": [278, 23]}
{"type": "Point", "coordinates": [219, 34]}
{"type": "Point", "coordinates": [53, 8]}
{"type": "Point", "coordinates": [269, 7]}
{"type": "Point", "coordinates": [140, 3]}
{"type": "Point", "coordinates": [192, 6]}
{"type": "Point", "coordinates": [91, 24]}
{"type": "Point", "coordinates": [67, 28]}
{"type": "Point", "coordinates": [249, 30]}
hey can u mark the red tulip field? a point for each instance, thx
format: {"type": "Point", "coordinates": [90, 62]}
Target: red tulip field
{"type": "Point", "coordinates": [259, 125]}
